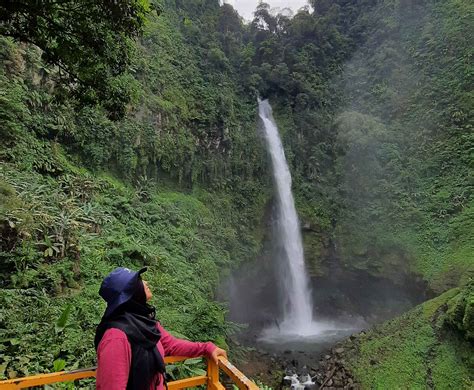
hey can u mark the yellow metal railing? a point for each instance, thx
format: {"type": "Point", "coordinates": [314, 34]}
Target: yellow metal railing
{"type": "Point", "coordinates": [211, 379]}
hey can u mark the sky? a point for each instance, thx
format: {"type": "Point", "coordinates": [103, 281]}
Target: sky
{"type": "Point", "coordinates": [247, 7]}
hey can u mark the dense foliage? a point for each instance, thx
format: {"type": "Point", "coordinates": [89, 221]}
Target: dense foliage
{"type": "Point", "coordinates": [421, 349]}
{"type": "Point", "coordinates": [124, 151]}
{"type": "Point", "coordinates": [89, 41]}
{"type": "Point", "coordinates": [174, 185]}
{"type": "Point", "coordinates": [374, 101]}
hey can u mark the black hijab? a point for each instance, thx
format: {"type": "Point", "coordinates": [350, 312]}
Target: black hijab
{"type": "Point", "coordinates": [137, 320]}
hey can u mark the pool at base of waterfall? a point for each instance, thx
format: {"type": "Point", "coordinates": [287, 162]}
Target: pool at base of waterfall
{"type": "Point", "coordinates": [316, 338]}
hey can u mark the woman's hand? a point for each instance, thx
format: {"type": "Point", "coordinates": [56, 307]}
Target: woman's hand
{"type": "Point", "coordinates": [216, 353]}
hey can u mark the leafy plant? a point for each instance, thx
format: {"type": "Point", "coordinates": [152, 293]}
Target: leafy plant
{"type": "Point", "coordinates": [61, 323]}
{"type": "Point", "coordinates": [185, 369]}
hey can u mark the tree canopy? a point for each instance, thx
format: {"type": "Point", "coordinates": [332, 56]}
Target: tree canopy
{"type": "Point", "coordinates": [89, 40]}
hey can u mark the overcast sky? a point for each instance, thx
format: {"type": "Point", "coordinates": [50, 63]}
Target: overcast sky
{"type": "Point", "coordinates": [247, 7]}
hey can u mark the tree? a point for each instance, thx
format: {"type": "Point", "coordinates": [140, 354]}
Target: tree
{"type": "Point", "coordinates": [91, 41]}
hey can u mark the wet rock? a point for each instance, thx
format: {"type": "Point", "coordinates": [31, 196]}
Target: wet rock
{"type": "Point", "coordinates": [339, 350]}
{"type": "Point", "coordinates": [286, 382]}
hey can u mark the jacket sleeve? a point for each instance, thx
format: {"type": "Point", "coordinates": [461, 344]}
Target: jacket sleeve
{"type": "Point", "coordinates": [178, 347]}
{"type": "Point", "coordinates": [114, 356]}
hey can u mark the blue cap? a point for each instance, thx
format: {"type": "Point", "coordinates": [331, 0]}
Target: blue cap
{"type": "Point", "coordinates": [118, 287]}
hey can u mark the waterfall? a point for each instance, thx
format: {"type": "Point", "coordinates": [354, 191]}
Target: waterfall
{"type": "Point", "coordinates": [297, 311]}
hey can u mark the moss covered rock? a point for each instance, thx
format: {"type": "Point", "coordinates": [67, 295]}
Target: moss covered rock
{"type": "Point", "coordinates": [428, 347]}
{"type": "Point", "coordinates": [460, 311]}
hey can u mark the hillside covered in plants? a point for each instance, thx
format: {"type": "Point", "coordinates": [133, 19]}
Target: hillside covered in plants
{"type": "Point", "coordinates": [129, 137]}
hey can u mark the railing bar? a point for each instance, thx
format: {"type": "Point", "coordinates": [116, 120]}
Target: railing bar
{"type": "Point", "coordinates": [238, 377]}
{"type": "Point", "coordinates": [188, 382]}
{"type": "Point", "coordinates": [215, 386]}
{"type": "Point", "coordinates": [212, 374]}
{"type": "Point", "coordinates": [44, 379]}
{"type": "Point", "coordinates": [174, 359]}
{"type": "Point", "coordinates": [212, 377]}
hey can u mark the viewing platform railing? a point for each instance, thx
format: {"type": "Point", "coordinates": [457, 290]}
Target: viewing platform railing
{"type": "Point", "coordinates": [211, 379]}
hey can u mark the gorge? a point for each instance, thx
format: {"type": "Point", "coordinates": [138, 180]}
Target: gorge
{"type": "Point", "coordinates": [134, 143]}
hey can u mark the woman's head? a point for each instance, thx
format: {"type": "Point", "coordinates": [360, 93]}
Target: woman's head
{"type": "Point", "coordinates": [121, 286]}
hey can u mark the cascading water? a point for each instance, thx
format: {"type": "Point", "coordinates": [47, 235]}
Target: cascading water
{"type": "Point", "coordinates": [298, 310]}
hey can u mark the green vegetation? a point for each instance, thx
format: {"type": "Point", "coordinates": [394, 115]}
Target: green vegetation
{"type": "Point", "coordinates": [421, 349]}
{"type": "Point", "coordinates": [408, 181]}
{"type": "Point", "coordinates": [62, 235]}
{"type": "Point", "coordinates": [169, 186]}
{"type": "Point", "coordinates": [134, 143]}
{"type": "Point", "coordinates": [373, 99]}
{"type": "Point", "coordinates": [94, 60]}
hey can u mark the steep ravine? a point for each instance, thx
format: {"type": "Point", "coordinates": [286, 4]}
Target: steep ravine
{"type": "Point", "coordinates": [339, 291]}
{"type": "Point", "coordinates": [374, 102]}
{"type": "Point", "coordinates": [428, 346]}
{"type": "Point", "coordinates": [383, 307]}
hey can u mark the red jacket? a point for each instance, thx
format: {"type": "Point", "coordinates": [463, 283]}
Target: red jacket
{"type": "Point", "coordinates": [114, 356]}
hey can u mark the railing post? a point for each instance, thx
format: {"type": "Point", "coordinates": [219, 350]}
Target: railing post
{"type": "Point", "coordinates": [213, 382]}
{"type": "Point", "coordinates": [212, 374]}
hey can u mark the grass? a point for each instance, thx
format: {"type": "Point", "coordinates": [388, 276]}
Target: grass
{"type": "Point", "coordinates": [418, 350]}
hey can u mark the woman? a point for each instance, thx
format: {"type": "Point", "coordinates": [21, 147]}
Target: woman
{"type": "Point", "coordinates": [130, 342]}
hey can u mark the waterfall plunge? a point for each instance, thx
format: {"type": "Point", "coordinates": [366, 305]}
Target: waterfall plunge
{"type": "Point", "coordinates": [298, 310]}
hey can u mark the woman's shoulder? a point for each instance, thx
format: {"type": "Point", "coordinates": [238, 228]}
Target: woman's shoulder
{"type": "Point", "coordinates": [113, 334]}
{"type": "Point", "coordinates": [113, 346]}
